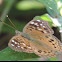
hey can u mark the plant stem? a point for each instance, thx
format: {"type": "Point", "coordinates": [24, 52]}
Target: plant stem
{"type": "Point", "coordinates": [6, 11]}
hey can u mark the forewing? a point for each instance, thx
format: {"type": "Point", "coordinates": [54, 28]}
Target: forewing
{"type": "Point", "coordinates": [37, 27]}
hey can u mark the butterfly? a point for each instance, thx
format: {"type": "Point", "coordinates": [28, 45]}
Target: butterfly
{"type": "Point", "coordinates": [37, 37]}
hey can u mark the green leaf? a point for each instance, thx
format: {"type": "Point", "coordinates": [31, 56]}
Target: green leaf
{"type": "Point", "coordinates": [52, 59]}
{"type": "Point", "coordinates": [51, 6]}
{"type": "Point", "coordinates": [10, 55]}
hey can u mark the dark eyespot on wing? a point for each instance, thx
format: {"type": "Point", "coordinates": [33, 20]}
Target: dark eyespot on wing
{"type": "Point", "coordinates": [39, 51]}
{"type": "Point", "coordinates": [53, 44]}
{"type": "Point", "coordinates": [54, 47]}
{"type": "Point", "coordinates": [51, 39]}
{"type": "Point", "coordinates": [45, 52]}
{"type": "Point", "coordinates": [45, 29]}
{"type": "Point", "coordinates": [48, 52]}
{"type": "Point", "coordinates": [42, 31]}
{"type": "Point", "coordinates": [46, 36]}
{"type": "Point", "coordinates": [15, 40]}
{"type": "Point", "coordinates": [30, 29]}
{"type": "Point", "coordinates": [25, 47]}
{"type": "Point", "coordinates": [12, 42]}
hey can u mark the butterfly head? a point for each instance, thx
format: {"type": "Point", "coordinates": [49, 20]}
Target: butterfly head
{"type": "Point", "coordinates": [18, 32]}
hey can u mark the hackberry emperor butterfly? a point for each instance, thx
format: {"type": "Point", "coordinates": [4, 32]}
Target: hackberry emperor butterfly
{"type": "Point", "coordinates": [37, 37]}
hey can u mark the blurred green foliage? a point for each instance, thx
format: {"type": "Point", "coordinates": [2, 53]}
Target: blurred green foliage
{"type": "Point", "coordinates": [28, 5]}
{"type": "Point", "coordinates": [51, 6]}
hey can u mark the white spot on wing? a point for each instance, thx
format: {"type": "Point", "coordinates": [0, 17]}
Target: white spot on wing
{"type": "Point", "coordinates": [38, 20]}
{"type": "Point", "coordinates": [18, 46]}
{"type": "Point", "coordinates": [29, 47]}
{"type": "Point", "coordinates": [15, 42]}
{"type": "Point", "coordinates": [12, 40]}
{"type": "Point", "coordinates": [41, 24]}
{"type": "Point", "coordinates": [12, 44]}
{"type": "Point", "coordinates": [22, 47]}
{"type": "Point", "coordinates": [45, 32]}
{"type": "Point", "coordinates": [23, 44]}
{"type": "Point", "coordinates": [39, 29]}
{"type": "Point", "coordinates": [31, 22]}
{"type": "Point", "coordinates": [35, 24]}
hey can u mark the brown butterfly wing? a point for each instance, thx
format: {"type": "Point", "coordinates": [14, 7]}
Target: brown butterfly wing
{"type": "Point", "coordinates": [51, 41]}
{"type": "Point", "coordinates": [19, 43]}
{"type": "Point", "coordinates": [42, 50]}
{"type": "Point", "coordinates": [40, 30]}
{"type": "Point", "coordinates": [37, 27]}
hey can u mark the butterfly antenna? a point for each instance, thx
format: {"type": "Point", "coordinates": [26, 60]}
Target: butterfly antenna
{"type": "Point", "coordinates": [7, 25]}
{"type": "Point", "coordinates": [10, 21]}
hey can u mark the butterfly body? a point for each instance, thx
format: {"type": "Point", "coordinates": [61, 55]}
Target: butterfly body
{"type": "Point", "coordinates": [37, 37]}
